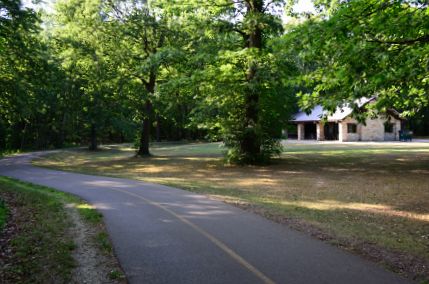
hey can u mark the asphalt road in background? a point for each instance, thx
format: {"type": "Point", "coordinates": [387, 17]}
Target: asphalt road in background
{"type": "Point", "coordinates": [167, 235]}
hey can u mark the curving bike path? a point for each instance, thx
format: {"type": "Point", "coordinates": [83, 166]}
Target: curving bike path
{"type": "Point", "coordinates": [162, 234]}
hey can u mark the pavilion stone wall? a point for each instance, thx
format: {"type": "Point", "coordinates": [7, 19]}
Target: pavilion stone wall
{"type": "Point", "coordinates": [372, 130]}
{"type": "Point", "coordinates": [342, 130]}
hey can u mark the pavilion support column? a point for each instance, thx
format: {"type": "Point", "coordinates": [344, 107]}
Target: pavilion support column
{"type": "Point", "coordinates": [320, 131]}
{"type": "Point", "coordinates": [340, 132]}
{"type": "Point", "coordinates": [300, 131]}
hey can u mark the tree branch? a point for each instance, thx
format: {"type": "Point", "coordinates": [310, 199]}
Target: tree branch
{"type": "Point", "coordinates": [422, 39]}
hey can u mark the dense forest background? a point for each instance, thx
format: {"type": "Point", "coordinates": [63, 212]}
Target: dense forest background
{"type": "Point", "coordinates": [94, 71]}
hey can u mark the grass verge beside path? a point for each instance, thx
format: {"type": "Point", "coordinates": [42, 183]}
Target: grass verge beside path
{"type": "Point", "coordinates": [37, 244]}
{"type": "Point", "coordinates": [3, 214]}
{"type": "Point", "coordinates": [372, 198]}
{"type": "Point", "coordinates": [40, 247]}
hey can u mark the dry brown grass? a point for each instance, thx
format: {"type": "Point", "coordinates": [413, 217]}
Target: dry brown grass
{"type": "Point", "coordinates": [368, 193]}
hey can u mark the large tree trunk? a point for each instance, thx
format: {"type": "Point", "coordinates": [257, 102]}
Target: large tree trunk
{"type": "Point", "coordinates": [23, 136]}
{"type": "Point", "coordinates": [147, 120]}
{"type": "Point", "coordinates": [251, 143]}
{"type": "Point", "coordinates": [184, 114]}
{"type": "Point", "coordinates": [62, 135]}
{"type": "Point", "coordinates": [145, 134]}
{"type": "Point", "coordinates": [93, 137]}
{"type": "Point", "coordinates": [158, 128]}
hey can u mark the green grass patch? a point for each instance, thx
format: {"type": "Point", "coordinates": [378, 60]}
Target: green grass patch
{"type": "Point", "coordinates": [89, 214]}
{"type": "Point", "coordinates": [41, 247]}
{"type": "Point", "coordinates": [188, 149]}
{"type": "Point", "coordinates": [116, 275]}
{"type": "Point", "coordinates": [103, 241]}
{"type": "Point", "coordinates": [4, 153]}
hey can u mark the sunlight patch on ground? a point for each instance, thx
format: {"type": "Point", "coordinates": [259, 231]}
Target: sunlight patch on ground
{"type": "Point", "coordinates": [365, 207]}
{"type": "Point", "coordinates": [84, 206]}
{"type": "Point", "coordinates": [107, 183]}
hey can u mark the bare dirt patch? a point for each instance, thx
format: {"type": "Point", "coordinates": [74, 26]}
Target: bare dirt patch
{"type": "Point", "coordinates": [93, 265]}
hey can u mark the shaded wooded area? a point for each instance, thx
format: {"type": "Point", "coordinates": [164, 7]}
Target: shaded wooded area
{"type": "Point", "coordinates": [113, 71]}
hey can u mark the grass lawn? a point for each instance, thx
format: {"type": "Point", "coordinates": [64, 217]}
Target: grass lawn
{"type": "Point", "coordinates": [37, 246]}
{"type": "Point", "coordinates": [41, 248]}
{"type": "Point", "coordinates": [357, 194]}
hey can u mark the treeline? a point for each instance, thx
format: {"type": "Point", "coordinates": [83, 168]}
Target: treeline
{"type": "Point", "coordinates": [121, 71]}
{"type": "Point", "coordinates": [61, 84]}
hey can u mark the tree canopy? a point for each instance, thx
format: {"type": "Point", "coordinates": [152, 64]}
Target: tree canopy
{"type": "Point", "coordinates": [122, 70]}
{"type": "Point", "coordinates": [365, 48]}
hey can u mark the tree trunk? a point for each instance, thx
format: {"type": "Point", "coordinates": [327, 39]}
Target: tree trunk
{"type": "Point", "coordinates": [158, 128]}
{"type": "Point", "coordinates": [147, 120]}
{"type": "Point", "coordinates": [23, 134]}
{"type": "Point", "coordinates": [251, 143]}
{"type": "Point", "coordinates": [184, 111]}
{"type": "Point", "coordinates": [62, 132]}
{"type": "Point", "coordinates": [93, 143]}
{"type": "Point", "coordinates": [145, 134]}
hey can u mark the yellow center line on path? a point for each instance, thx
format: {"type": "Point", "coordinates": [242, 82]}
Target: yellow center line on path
{"type": "Point", "coordinates": [218, 243]}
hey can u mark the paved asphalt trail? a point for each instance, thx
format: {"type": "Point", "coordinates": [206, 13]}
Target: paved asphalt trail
{"type": "Point", "coordinates": [166, 235]}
